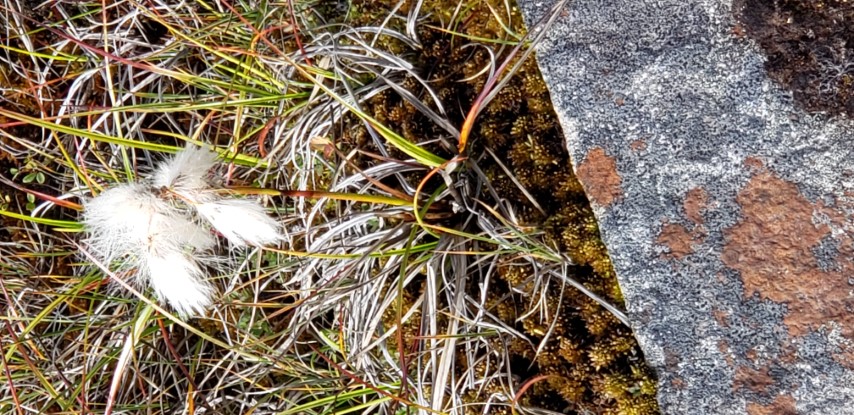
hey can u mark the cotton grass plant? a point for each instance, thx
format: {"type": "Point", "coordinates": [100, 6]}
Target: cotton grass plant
{"type": "Point", "coordinates": [372, 284]}
{"type": "Point", "coordinates": [158, 232]}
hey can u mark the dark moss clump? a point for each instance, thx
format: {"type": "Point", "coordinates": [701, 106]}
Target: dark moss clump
{"type": "Point", "coordinates": [810, 48]}
{"type": "Point", "coordinates": [592, 361]}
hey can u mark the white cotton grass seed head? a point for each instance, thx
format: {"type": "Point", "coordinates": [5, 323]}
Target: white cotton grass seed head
{"type": "Point", "coordinates": [141, 236]}
{"type": "Point", "coordinates": [119, 221]}
{"type": "Point", "coordinates": [178, 280]}
{"type": "Point", "coordinates": [185, 172]}
{"type": "Point", "coordinates": [148, 235]}
{"type": "Point", "coordinates": [242, 221]}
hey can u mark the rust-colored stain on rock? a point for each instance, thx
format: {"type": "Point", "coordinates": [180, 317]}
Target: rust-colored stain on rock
{"type": "Point", "coordinates": [755, 380]}
{"type": "Point", "coordinates": [638, 145]}
{"type": "Point", "coordinates": [598, 174]}
{"type": "Point", "coordinates": [845, 357]}
{"type": "Point", "coordinates": [721, 317]}
{"type": "Point", "coordinates": [782, 405]}
{"type": "Point", "coordinates": [751, 354]}
{"type": "Point", "coordinates": [678, 239]}
{"type": "Point", "coordinates": [754, 164]}
{"type": "Point", "coordinates": [789, 353]}
{"type": "Point", "coordinates": [695, 204]}
{"type": "Point", "coordinates": [772, 248]}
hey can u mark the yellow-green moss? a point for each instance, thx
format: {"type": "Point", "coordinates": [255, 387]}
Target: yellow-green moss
{"type": "Point", "coordinates": [595, 360]}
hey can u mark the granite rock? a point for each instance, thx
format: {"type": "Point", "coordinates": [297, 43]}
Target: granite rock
{"type": "Point", "coordinates": [726, 209]}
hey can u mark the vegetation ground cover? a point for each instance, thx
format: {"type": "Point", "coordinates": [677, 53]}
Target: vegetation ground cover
{"type": "Point", "coordinates": [441, 256]}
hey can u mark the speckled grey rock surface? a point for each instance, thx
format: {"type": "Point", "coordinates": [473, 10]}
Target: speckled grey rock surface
{"type": "Point", "coordinates": [727, 211]}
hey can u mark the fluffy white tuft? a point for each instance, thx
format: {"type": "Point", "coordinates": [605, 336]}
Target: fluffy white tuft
{"type": "Point", "coordinates": [119, 223]}
{"type": "Point", "coordinates": [178, 280]}
{"type": "Point", "coordinates": [136, 233]}
{"type": "Point", "coordinates": [241, 221]}
{"type": "Point", "coordinates": [185, 172]}
{"type": "Point", "coordinates": [157, 239]}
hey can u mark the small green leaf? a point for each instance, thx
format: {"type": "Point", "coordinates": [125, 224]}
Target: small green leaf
{"type": "Point", "coordinates": [29, 177]}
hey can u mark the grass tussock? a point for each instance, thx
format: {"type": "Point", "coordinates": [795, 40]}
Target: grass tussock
{"type": "Point", "coordinates": [431, 251]}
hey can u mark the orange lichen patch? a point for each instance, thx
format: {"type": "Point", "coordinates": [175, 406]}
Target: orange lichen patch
{"type": "Point", "coordinates": [754, 164]}
{"type": "Point", "coordinates": [678, 239]}
{"type": "Point", "coordinates": [772, 249]}
{"type": "Point", "coordinates": [755, 380]}
{"type": "Point", "coordinates": [678, 383]}
{"type": "Point", "coordinates": [788, 353]}
{"type": "Point", "coordinates": [598, 174]}
{"type": "Point", "coordinates": [751, 354]}
{"type": "Point", "coordinates": [782, 405]}
{"type": "Point", "coordinates": [721, 317]}
{"type": "Point", "coordinates": [696, 201]}
{"type": "Point", "coordinates": [638, 145]}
